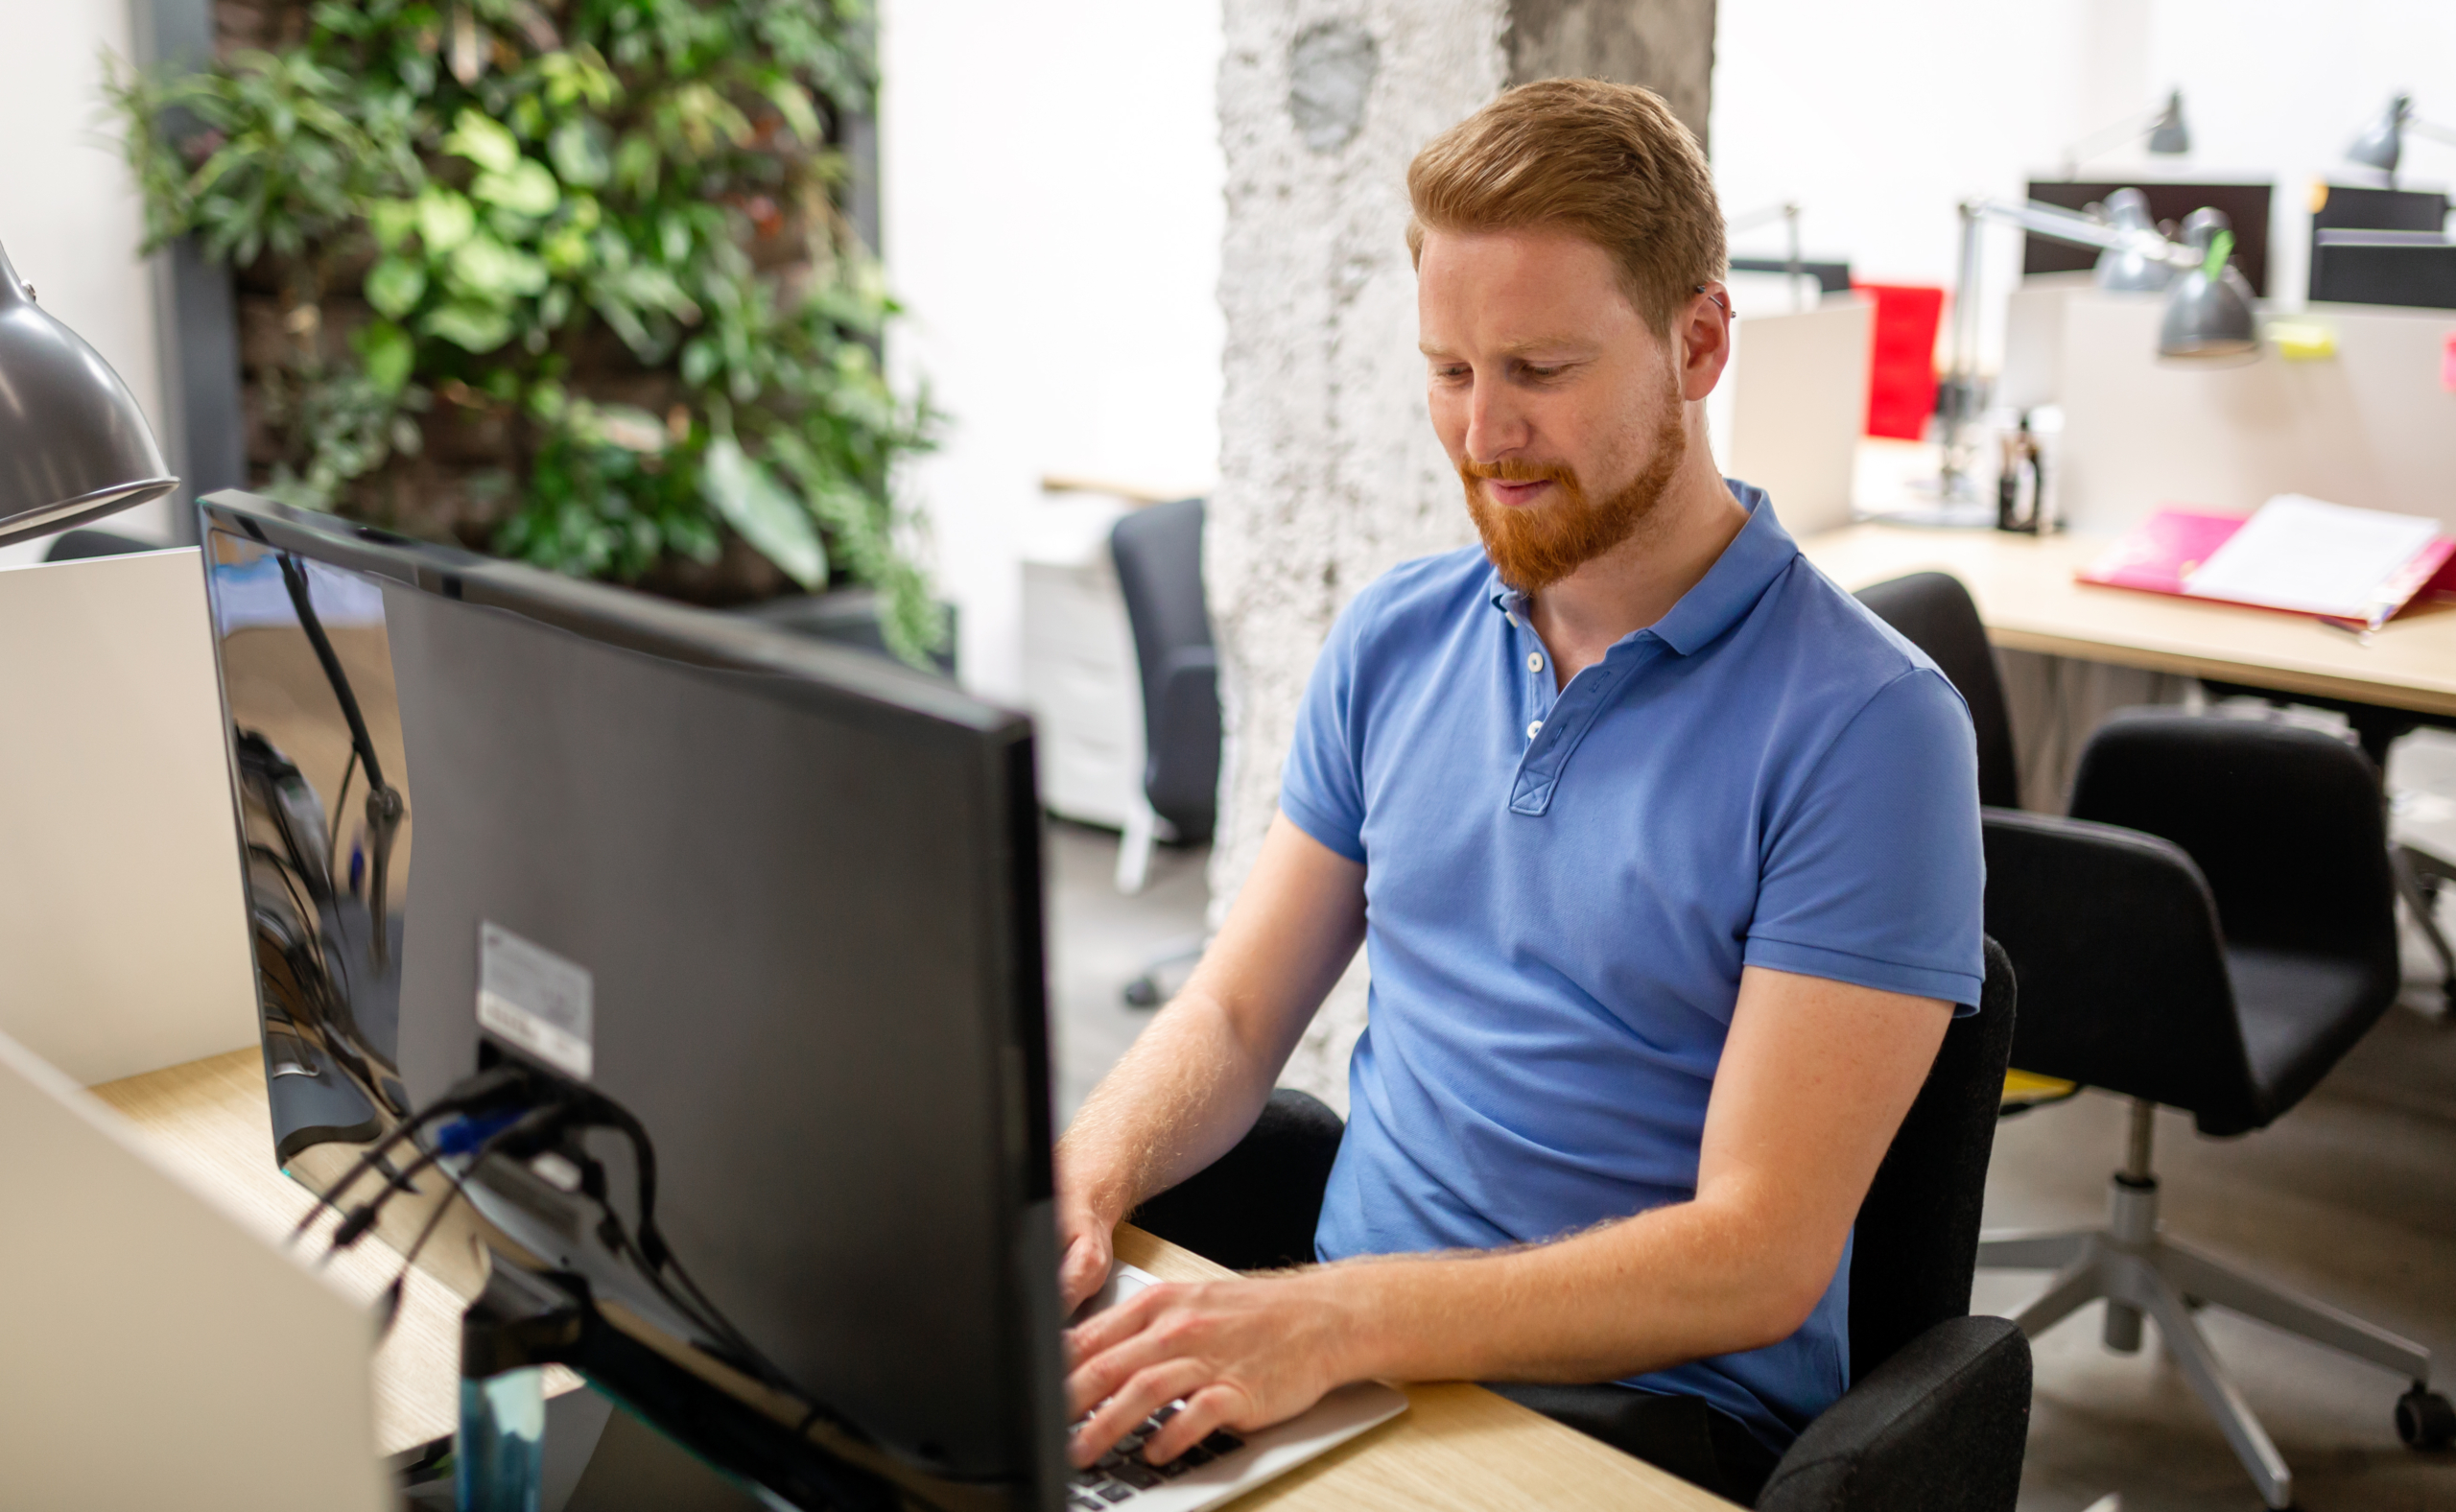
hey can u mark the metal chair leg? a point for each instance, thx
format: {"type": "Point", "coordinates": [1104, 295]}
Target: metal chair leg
{"type": "Point", "coordinates": [2250, 1442]}
{"type": "Point", "coordinates": [2419, 875]}
{"type": "Point", "coordinates": [2197, 1275]}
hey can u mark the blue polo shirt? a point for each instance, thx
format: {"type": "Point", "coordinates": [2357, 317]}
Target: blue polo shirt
{"type": "Point", "coordinates": [1562, 887]}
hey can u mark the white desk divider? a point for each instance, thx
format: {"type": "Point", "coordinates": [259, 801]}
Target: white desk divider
{"type": "Point", "coordinates": [123, 930]}
{"type": "Point", "coordinates": [2373, 426]}
{"type": "Point", "coordinates": [1789, 411]}
{"type": "Point", "coordinates": [153, 1352]}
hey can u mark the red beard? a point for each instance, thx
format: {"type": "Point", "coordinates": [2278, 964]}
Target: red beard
{"type": "Point", "coordinates": [1538, 545]}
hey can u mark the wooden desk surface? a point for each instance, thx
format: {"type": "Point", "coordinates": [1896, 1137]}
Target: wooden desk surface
{"type": "Point", "coordinates": [2027, 593]}
{"type": "Point", "coordinates": [1457, 1445]}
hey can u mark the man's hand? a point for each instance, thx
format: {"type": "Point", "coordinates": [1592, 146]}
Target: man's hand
{"type": "Point", "coordinates": [1084, 1244]}
{"type": "Point", "coordinates": [1241, 1354]}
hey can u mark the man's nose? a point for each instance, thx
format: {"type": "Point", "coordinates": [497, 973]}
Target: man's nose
{"type": "Point", "coordinates": [1495, 424]}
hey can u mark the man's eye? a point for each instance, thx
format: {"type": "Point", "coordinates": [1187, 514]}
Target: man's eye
{"type": "Point", "coordinates": [1449, 373]}
{"type": "Point", "coordinates": [1541, 374]}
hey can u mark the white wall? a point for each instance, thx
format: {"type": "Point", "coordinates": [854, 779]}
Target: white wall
{"type": "Point", "coordinates": [1051, 204]}
{"type": "Point", "coordinates": [69, 213]}
{"type": "Point", "coordinates": [1878, 117]}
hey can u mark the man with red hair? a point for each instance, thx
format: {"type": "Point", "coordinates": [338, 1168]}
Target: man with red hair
{"type": "Point", "coordinates": [1664, 852]}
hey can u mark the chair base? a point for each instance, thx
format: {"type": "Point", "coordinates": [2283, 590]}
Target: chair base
{"type": "Point", "coordinates": [2421, 876]}
{"type": "Point", "coordinates": [2139, 1271]}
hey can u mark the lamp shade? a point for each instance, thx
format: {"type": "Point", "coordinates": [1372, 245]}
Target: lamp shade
{"type": "Point", "coordinates": [73, 445]}
{"type": "Point", "coordinates": [2170, 137]}
{"type": "Point", "coordinates": [2129, 269]}
{"type": "Point", "coordinates": [2210, 317]}
{"type": "Point", "coordinates": [2383, 141]}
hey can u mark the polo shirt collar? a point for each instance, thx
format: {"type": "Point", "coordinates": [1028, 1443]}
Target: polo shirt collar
{"type": "Point", "coordinates": [1731, 587]}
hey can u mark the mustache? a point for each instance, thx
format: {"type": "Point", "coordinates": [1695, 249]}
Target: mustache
{"type": "Point", "coordinates": [1510, 469]}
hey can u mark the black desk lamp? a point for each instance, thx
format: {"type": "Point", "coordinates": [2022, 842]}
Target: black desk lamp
{"type": "Point", "coordinates": [2382, 143]}
{"type": "Point", "coordinates": [73, 445]}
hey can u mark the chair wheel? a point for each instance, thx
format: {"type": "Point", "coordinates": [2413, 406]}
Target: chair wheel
{"type": "Point", "coordinates": [2424, 1419]}
{"type": "Point", "coordinates": [1144, 993]}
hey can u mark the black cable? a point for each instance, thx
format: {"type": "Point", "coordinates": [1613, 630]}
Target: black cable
{"type": "Point", "coordinates": [340, 805]}
{"type": "Point", "coordinates": [535, 1120]}
{"type": "Point", "coordinates": [472, 1092]}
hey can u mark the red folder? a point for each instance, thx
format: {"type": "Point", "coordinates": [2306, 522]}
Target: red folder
{"type": "Point", "coordinates": [2163, 550]}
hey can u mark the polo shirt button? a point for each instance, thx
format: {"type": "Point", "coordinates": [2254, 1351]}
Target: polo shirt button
{"type": "Point", "coordinates": [1534, 729]}
{"type": "Point", "coordinates": [1534, 661]}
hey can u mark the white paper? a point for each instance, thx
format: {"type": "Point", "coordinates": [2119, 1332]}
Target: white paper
{"type": "Point", "coordinates": [2304, 553]}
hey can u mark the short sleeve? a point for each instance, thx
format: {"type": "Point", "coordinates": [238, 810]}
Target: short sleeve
{"type": "Point", "coordinates": [1875, 872]}
{"type": "Point", "coordinates": [1322, 784]}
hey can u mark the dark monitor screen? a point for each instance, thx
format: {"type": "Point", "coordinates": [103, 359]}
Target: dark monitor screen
{"type": "Point", "coordinates": [778, 901]}
{"type": "Point", "coordinates": [2245, 205]}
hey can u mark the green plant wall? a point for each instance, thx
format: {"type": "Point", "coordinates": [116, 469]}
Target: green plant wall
{"type": "Point", "coordinates": [565, 280]}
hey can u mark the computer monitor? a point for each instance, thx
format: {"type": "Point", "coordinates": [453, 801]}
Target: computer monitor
{"type": "Point", "coordinates": [777, 902]}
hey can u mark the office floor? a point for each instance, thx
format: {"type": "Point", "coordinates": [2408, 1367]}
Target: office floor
{"type": "Point", "coordinates": [2351, 1197]}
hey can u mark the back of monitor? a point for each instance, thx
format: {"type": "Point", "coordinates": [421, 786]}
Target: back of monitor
{"type": "Point", "coordinates": [152, 1351]}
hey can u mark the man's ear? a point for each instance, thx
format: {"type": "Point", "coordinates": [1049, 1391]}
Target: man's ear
{"type": "Point", "coordinates": [1703, 329]}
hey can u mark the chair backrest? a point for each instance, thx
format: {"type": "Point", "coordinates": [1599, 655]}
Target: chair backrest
{"type": "Point", "coordinates": [1158, 553]}
{"type": "Point", "coordinates": [70, 546]}
{"type": "Point", "coordinates": [2123, 967]}
{"type": "Point", "coordinates": [1932, 611]}
{"type": "Point", "coordinates": [2285, 822]}
{"type": "Point", "coordinates": [1916, 1240]}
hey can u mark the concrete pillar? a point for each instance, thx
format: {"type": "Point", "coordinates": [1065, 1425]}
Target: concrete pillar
{"type": "Point", "coordinates": [1329, 473]}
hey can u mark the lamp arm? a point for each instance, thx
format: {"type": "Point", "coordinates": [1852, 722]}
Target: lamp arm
{"type": "Point", "coordinates": [2076, 154]}
{"type": "Point", "coordinates": [2430, 128]}
{"type": "Point", "coordinates": [2060, 224]}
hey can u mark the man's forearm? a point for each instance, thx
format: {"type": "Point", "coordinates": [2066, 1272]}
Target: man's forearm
{"type": "Point", "coordinates": [1676, 1283]}
{"type": "Point", "coordinates": [1185, 1093]}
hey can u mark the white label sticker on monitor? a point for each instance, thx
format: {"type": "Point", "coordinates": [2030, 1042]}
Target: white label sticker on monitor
{"type": "Point", "coordinates": [536, 999]}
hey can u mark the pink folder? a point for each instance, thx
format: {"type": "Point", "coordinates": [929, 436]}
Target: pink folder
{"type": "Point", "coordinates": [2163, 550]}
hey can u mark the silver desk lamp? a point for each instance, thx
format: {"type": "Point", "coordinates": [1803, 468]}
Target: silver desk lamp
{"type": "Point", "coordinates": [2382, 143]}
{"type": "Point", "coordinates": [73, 445]}
{"type": "Point", "coordinates": [2208, 319]}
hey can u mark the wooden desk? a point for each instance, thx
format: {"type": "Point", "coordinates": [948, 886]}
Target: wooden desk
{"type": "Point", "coordinates": [1457, 1445]}
{"type": "Point", "coordinates": [2028, 597]}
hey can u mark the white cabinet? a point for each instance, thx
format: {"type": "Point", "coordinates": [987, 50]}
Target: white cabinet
{"type": "Point", "coordinates": [1079, 678]}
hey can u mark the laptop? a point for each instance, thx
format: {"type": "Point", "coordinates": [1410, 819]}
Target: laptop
{"type": "Point", "coordinates": [1226, 1464]}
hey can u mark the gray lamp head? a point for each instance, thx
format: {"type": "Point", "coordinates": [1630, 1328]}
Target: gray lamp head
{"type": "Point", "coordinates": [2208, 315]}
{"type": "Point", "coordinates": [73, 445]}
{"type": "Point", "coordinates": [2383, 141]}
{"type": "Point", "coordinates": [2170, 137]}
{"type": "Point", "coordinates": [2125, 271]}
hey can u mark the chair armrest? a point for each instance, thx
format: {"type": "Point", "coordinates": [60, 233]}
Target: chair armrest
{"type": "Point", "coordinates": [1181, 771]}
{"type": "Point", "coordinates": [1941, 1425]}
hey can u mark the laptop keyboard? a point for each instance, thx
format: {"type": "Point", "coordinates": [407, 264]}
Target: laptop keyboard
{"type": "Point", "coordinates": [1123, 1472]}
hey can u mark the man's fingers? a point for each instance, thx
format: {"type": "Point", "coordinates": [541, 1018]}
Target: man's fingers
{"type": "Point", "coordinates": [1143, 1394]}
{"type": "Point", "coordinates": [1106, 1330]}
{"type": "Point", "coordinates": [1191, 1424]}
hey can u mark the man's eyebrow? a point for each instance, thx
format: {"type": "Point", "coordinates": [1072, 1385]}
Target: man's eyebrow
{"type": "Point", "coordinates": [1569, 347]}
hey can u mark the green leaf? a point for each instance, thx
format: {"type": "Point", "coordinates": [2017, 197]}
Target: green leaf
{"type": "Point", "coordinates": [471, 327]}
{"type": "Point", "coordinates": [762, 512]}
{"type": "Point", "coordinates": [494, 272]}
{"type": "Point", "coordinates": [527, 189]}
{"type": "Point", "coordinates": [391, 220]}
{"type": "Point", "coordinates": [792, 102]}
{"type": "Point", "coordinates": [389, 353]}
{"type": "Point", "coordinates": [445, 220]}
{"type": "Point", "coordinates": [565, 251]}
{"type": "Point", "coordinates": [577, 149]}
{"type": "Point", "coordinates": [395, 285]}
{"type": "Point", "coordinates": [488, 143]}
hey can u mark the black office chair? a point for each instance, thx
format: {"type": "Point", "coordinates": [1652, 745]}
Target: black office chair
{"type": "Point", "coordinates": [1938, 1410]}
{"type": "Point", "coordinates": [1158, 553]}
{"type": "Point", "coordinates": [2213, 931]}
{"type": "Point", "coordinates": [70, 546]}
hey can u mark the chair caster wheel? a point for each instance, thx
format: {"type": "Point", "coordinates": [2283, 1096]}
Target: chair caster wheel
{"type": "Point", "coordinates": [1144, 993]}
{"type": "Point", "coordinates": [2424, 1419]}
